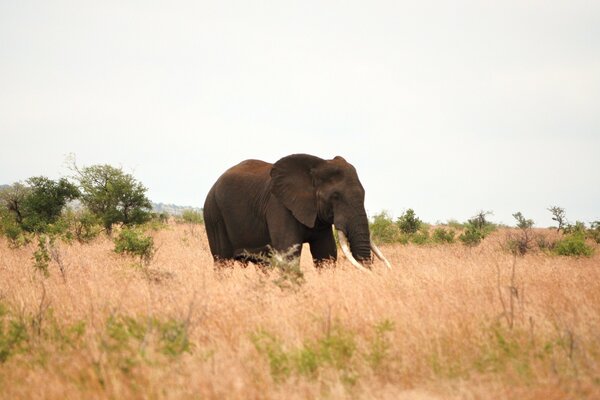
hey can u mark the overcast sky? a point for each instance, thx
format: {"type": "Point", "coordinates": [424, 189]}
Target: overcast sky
{"type": "Point", "coordinates": [444, 107]}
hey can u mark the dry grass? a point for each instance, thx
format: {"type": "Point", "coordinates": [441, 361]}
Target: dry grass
{"type": "Point", "coordinates": [436, 326]}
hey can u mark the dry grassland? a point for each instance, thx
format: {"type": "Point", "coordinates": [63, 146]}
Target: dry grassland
{"type": "Point", "coordinates": [447, 322]}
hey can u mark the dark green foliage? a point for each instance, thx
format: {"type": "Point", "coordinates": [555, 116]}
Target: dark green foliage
{"type": "Point", "coordinates": [114, 196]}
{"type": "Point", "coordinates": [442, 235]}
{"type": "Point", "coordinates": [573, 244]}
{"type": "Point", "coordinates": [383, 229]}
{"type": "Point", "coordinates": [45, 201]}
{"type": "Point", "coordinates": [408, 222]}
{"type": "Point", "coordinates": [34, 207]}
{"type": "Point", "coordinates": [134, 242]}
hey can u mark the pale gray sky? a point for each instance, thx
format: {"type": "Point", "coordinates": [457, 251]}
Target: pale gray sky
{"type": "Point", "coordinates": [444, 107]}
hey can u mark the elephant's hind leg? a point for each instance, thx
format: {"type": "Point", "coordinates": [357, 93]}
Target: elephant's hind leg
{"type": "Point", "coordinates": [218, 240]}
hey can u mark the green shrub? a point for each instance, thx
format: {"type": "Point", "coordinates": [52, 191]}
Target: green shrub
{"type": "Point", "coordinates": [476, 229]}
{"type": "Point", "coordinates": [471, 236]}
{"type": "Point", "coordinates": [192, 216]}
{"type": "Point", "coordinates": [383, 229]}
{"type": "Point", "coordinates": [442, 235]}
{"type": "Point", "coordinates": [41, 256]}
{"type": "Point", "coordinates": [420, 238]}
{"type": "Point", "coordinates": [573, 245]}
{"type": "Point", "coordinates": [408, 222]}
{"type": "Point", "coordinates": [135, 243]}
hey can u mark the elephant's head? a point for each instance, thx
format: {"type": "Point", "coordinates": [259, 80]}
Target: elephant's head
{"type": "Point", "coordinates": [319, 191]}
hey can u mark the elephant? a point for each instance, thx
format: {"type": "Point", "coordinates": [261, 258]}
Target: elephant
{"type": "Point", "coordinates": [257, 207]}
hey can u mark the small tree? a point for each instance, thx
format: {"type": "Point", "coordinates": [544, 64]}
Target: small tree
{"type": "Point", "coordinates": [558, 215]}
{"type": "Point", "coordinates": [12, 198]}
{"type": "Point", "coordinates": [522, 243]}
{"type": "Point", "coordinates": [476, 229]}
{"type": "Point", "coordinates": [45, 201]}
{"type": "Point", "coordinates": [114, 196]}
{"type": "Point", "coordinates": [408, 222]}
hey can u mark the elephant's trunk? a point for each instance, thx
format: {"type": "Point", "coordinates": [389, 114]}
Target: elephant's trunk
{"type": "Point", "coordinates": [346, 250]}
{"type": "Point", "coordinates": [357, 245]}
{"type": "Point", "coordinates": [356, 234]}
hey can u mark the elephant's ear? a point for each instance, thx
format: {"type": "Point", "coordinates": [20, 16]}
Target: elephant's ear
{"type": "Point", "coordinates": [292, 184]}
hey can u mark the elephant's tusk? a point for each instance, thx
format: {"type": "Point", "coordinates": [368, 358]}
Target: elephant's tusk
{"type": "Point", "coordinates": [348, 253]}
{"type": "Point", "coordinates": [380, 255]}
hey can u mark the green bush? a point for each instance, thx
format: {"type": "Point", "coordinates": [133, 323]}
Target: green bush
{"type": "Point", "coordinates": [476, 229]}
{"type": "Point", "coordinates": [442, 235]}
{"type": "Point", "coordinates": [383, 229]}
{"type": "Point", "coordinates": [573, 245]}
{"type": "Point", "coordinates": [471, 236]}
{"type": "Point", "coordinates": [86, 225]}
{"type": "Point", "coordinates": [192, 216]}
{"type": "Point", "coordinates": [420, 238]}
{"type": "Point", "coordinates": [408, 222]}
{"type": "Point", "coordinates": [133, 242]}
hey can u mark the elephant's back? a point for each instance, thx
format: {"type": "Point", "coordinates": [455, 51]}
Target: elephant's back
{"type": "Point", "coordinates": [246, 181]}
{"type": "Point", "coordinates": [248, 168]}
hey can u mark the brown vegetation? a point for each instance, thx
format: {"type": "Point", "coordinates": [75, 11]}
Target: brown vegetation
{"type": "Point", "coordinates": [447, 321]}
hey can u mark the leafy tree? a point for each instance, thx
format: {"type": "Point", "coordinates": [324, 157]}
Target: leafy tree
{"type": "Point", "coordinates": [35, 206]}
{"type": "Point", "coordinates": [408, 222]}
{"type": "Point", "coordinates": [114, 196]}
{"type": "Point", "coordinates": [45, 201]}
{"type": "Point", "coordinates": [521, 243]}
{"type": "Point", "coordinates": [12, 199]}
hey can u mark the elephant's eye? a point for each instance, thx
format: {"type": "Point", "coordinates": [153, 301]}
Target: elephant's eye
{"type": "Point", "coordinates": [336, 196]}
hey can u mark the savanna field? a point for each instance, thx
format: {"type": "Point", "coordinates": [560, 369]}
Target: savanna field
{"type": "Point", "coordinates": [447, 322]}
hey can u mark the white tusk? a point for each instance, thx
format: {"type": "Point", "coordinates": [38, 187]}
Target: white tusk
{"type": "Point", "coordinates": [380, 255]}
{"type": "Point", "coordinates": [348, 253]}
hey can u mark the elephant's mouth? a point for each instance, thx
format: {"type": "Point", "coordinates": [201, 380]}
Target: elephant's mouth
{"type": "Point", "coordinates": [346, 250]}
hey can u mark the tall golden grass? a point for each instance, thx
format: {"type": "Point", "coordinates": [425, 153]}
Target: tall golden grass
{"type": "Point", "coordinates": [446, 322]}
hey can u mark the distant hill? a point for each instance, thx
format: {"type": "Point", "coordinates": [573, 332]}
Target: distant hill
{"type": "Point", "coordinates": [172, 209]}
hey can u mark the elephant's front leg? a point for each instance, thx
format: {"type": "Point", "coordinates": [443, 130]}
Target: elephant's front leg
{"type": "Point", "coordinates": [323, 247]}
{"type": "Point", "coordinates": [286, 232]}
